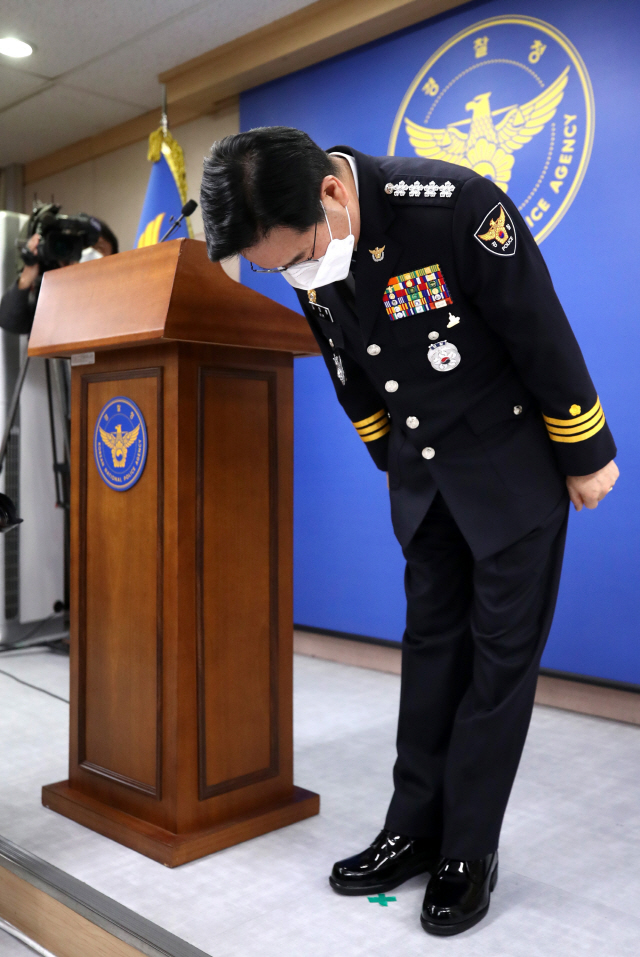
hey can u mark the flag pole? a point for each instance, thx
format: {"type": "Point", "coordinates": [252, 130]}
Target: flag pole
{"type": "Point", "coordinates": [165, 120]}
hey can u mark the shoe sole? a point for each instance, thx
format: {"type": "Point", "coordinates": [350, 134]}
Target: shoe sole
{"type": "Point", "coordinates": [448, 930]}
{"type": "Point", "coordinates": [381, 887]}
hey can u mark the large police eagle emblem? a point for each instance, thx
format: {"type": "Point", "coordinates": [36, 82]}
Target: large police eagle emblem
{"type": "Point", "coordinates": [120, 443]}
{"type": "Point", "coordinates": [530, 101]}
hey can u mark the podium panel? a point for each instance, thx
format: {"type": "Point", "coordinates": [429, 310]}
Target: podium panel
{"type": "Point", "coordinates": [120, 598]}
{"type": "Point", "coordinates": [238, 601]}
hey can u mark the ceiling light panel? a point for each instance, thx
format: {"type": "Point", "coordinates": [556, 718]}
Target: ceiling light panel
{"type": "Point", "coordinates": [11, 46]}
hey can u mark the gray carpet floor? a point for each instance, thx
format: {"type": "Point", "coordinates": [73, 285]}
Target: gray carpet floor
{"type": "Point", "coordinates": [570, 874]}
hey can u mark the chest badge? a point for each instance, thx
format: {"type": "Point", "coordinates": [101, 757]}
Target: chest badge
{"type": "Point", "coordinates": [443, 356]}
{"type": "Point", "coordinates": [453, 321]}
{"type": "Point", "coordinates": [415, 292]}
{"type": "Point", "coordinates": [378, 253]}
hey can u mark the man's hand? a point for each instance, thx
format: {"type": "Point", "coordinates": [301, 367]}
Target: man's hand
{"type": "Point", "coordinates": [590, 489]}
{"type": "Point", "coordinates": [30, 273]}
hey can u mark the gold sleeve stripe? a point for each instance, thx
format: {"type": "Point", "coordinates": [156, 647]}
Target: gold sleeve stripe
{"type": "Point", "coordinates": [372, 418]}
{"type": "Point", "coordinates": [581, 437]}
{"type": "Point", "coordinates": [576, 420]}
{"type": "Point", "coordinates": [378, 434]}
{"type": "Point", "coordinates": [578, 428]}
{"type": "Point", "coordinates": [373, 428]}
{"type": "Point", "coordinates": [375, 425]}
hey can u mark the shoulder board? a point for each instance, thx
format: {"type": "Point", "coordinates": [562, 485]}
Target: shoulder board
{"type": "Point", "coordinates": [422, 191]}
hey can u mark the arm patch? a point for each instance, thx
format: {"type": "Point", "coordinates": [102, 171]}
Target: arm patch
{"type": "Point", "coordinates": [497, 233]}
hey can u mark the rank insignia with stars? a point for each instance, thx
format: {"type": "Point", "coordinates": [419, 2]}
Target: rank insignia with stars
{"type": "Point", "coordinates": [378, 253]}
{"type": "Point", "coordinates": [497, 233]}
{"type": "Point", "coordinates": [418, 189]}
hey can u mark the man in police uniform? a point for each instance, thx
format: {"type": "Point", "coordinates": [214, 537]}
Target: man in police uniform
{"type": "Point", "coordinates": [452, 356]}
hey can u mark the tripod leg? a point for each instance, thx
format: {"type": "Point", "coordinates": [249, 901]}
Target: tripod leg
{"type": "Point", "coordinates": [63, 407]}
{"type": "Point", "coordinates": [61, 468]}
{"type": "Point", "coordinates": [13, 408]}
{"type": "Point", "coordinates": [54, 442]}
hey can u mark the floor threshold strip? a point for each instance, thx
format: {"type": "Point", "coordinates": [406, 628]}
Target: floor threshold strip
{"type": "Point", "coordinates": [113, 917]}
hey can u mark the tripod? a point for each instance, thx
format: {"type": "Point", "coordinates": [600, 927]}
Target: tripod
{"type": "Point", "coordinates": [58, 381]}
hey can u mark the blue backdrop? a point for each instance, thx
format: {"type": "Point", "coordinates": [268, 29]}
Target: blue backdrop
{"type": "Point", "coordinates": [348, 566]}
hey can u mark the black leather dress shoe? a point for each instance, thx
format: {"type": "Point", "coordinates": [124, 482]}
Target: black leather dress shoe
{"type": "Point", "coordinates": [390, 861]}
{"type": "Point", "coordinates": [458, 895]}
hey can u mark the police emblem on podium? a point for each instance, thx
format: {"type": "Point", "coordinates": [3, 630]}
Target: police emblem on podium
{"type": "Point", "coordinates": [120, 443]}
{"type": "Point", "coordinates": [510, 98]}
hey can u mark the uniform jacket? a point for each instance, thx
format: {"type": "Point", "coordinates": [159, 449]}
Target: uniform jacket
{"type": "Point", "coordinates": [503, 407]}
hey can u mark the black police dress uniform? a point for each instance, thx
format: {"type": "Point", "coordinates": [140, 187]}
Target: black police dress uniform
{"type": "Point", "coordinates": [454, 360]}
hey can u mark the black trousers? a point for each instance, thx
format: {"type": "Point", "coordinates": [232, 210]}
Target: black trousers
{"type": "Point", "coordinates": [475, 634]}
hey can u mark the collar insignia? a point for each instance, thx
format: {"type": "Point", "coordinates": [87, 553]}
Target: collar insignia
{"type": "Point", "coordinates": [378, 253]}
{"type": "Point", "coordinates": [312, 295]}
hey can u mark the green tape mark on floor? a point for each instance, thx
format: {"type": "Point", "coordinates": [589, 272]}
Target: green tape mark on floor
{"type": "Point", "coordinates": [381, 899]}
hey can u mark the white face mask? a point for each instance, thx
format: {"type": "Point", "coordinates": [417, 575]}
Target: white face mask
{"type": "Point", "coordinates": [332, 267]}
{"type": "Point", "coordinates": [90, 253]}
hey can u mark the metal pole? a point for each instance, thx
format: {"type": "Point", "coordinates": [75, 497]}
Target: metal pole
{"type": "Point", "coordinates": [165, 118]}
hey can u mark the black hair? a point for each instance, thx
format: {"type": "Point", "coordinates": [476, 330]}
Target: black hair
{"type": "Point", "coordinates": [256, 181]}
{"type": "Point", "coordinates": [107, 233]}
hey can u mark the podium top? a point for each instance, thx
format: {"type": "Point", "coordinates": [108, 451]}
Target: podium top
{"type": "Point", "coordinates": [167, 292]}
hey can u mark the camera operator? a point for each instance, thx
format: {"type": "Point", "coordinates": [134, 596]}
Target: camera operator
{"type": "Point", "coordinates": [18, 305]}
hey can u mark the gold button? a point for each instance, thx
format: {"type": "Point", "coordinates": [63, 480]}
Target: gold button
{"type": "Point", "coordinates": [373, 349]}
{"type": "Point", "coordinates": [412, 422]}
{"type": "Point", "coordinates": [517, 409]}
{"type": "Point", "coordinates": [428, 453]}
{"type": "Point", "coordinates": [434, 335]}
{"type": "Point", "coordinates": [391, 385]}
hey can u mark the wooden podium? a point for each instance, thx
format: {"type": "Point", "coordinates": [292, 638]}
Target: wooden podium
{"type": "Point", "coordinates": [181, 587]}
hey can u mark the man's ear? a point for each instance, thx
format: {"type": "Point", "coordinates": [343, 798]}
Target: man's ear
{"type": "Point", "coordinates": [332, 187]}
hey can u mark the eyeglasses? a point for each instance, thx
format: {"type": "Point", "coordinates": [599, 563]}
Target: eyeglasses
{"type": "Point", "coordinates": [284, 268]}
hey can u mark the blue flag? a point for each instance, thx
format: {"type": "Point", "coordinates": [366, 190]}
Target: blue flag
{"type": "Point", "coordinates": [166, 192]}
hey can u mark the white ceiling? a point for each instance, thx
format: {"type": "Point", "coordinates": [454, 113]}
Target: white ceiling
{"type": "Point", "coordinates": [97, 61]}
